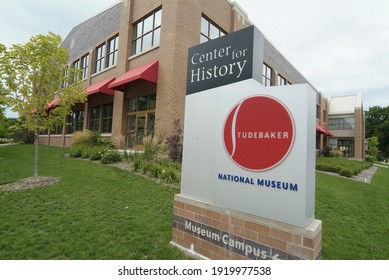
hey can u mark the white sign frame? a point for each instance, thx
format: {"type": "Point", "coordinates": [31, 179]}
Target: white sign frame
{"type": "Point", "coordinates": [205, 157]}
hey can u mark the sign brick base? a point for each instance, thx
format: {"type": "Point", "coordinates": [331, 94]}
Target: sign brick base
{"type": "Point", "coordinates": [209, 232]}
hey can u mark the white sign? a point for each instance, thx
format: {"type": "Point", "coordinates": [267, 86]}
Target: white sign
{"type": "Point", "coordinates": [252, 149]}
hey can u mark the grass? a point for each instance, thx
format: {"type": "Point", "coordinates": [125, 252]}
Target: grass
{"type": "Point", "coordinates": [355, 216]}
{"type": "Point", "coordinates": [101, 212]}
{"type": "Point", "coordinates": [95, 212]}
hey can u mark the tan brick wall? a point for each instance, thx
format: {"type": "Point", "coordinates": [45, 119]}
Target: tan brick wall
{"type": "Point", "coordinates": [359, 134]}
{"type": "Point", "coordinates": [180, 29]}
{"type": "Point", "coordinates": [272, 239]}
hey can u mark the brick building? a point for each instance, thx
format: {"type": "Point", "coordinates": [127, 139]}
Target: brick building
{"type": "Point", "coordinates": [133, 58]}
{"type": "Point", "coordinates": [347, 123]}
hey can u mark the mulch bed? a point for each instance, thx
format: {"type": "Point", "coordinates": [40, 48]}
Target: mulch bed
{"type": "Point", "coordinates": [29, 183]}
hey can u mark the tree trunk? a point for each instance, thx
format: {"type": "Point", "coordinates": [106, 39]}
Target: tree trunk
{"type": "Point", "coordinates": [36, 142]}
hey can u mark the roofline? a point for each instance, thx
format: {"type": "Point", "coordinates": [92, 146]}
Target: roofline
{"type": "Point", "coordinates": [98, 13]}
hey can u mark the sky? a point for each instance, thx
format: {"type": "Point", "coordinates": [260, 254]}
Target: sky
{"type": "Point", "coordinates": [340, 46]}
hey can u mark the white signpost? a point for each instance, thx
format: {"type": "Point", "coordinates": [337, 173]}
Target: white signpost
{"type": "Point", "coordinates": [249, 158]}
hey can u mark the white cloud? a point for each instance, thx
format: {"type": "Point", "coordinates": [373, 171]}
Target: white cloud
{"type": "Point", "coordinates": [341, 47]}
{"type": "Point", "coordinates": [26, 18]}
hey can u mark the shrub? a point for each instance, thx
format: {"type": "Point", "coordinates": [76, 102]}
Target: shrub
{"type": "Point", "coordinates": [90, 138]}
{"type": "Point", "coordinates": [336, 153]}
{"type": "Point", "coordinates": [170, 176]}
{"type": "Point", "coordinates": [138, 164]}
{"type": "Point", "coordinates": [111, 156]}
{"type": "Point", "coordinates": [153, 148]}
{"type": "Point", "coordinates": [345, 172]}
{"type": "Point", "coordinates": [174, 143]}
{"type": "Point", "coordinates": [76, 151]}
{"type": "Point", "coordinates": [154, 170]}
{"type": "Point", "coordinates": [120, 141]}
{"type": "Point", "coordinates": [24, 136]}
{"type": "Point", "coordinates": [166, 170]}
{"type": "Point", "coordinates": [86, 153]}
{"type": "Point", "coordinates": [371, 159]}
{"type": "Point", "coordinates": [81, 137]}
{"type": "Point", "coordinates": [326, 151]}
{"type": "Point", "coordinates": [97, 153]}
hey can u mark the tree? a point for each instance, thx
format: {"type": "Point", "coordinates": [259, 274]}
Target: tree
{"type": "Point", "coordinates": [377, 124]}
{"type": "Point", "coordinates": [2, 91]}
{"type": "Point", "coordinates": [373, 146]}
{"type": "Point", "coordinates": [32, 76]}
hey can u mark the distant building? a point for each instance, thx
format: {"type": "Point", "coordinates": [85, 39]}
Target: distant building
{"type": "Point", "coordinates": [133, 58]}
{"type": "Point", "coordinates": [347, 124]}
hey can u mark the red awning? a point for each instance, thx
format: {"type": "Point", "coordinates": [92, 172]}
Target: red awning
{"type": "Point", "coordinates": [101, 87]}
{"type": "Point", "coordinates": [54, 103]}
{"type": "Point", "coordinates": [328, 132]}
{"type": "Point", "coordinates": [323, 130]}
{"type": "Point", "coordinates": [147, 72]}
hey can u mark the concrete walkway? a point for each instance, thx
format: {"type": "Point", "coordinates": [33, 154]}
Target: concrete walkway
{"type": "Point", "coordinates": [7, 144]}
{"type": "Point", "coordinates": [365, 176]}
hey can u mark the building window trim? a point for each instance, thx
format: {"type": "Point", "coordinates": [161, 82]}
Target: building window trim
{"type": "Point", "coordinates": [267, 75]}
{"type": "Point", "coordinates": [281, 81]}
{"type": "Point", "coordinates": [210, 24]}
{"type": "Point", "coordinates": [146, 36]}
{"type": "Point", "coordinates": [112, 52]}
{"type": "Point", "coordinates": [100, 55]}
{"type": "Point", "coordinates": [142, 53]}
{"type": "Point", "coordinates": [98, 121]}
{"type": "Point", "coordinates": [84, 66]}
{"type": "Point", "coordinates": [104, 56]}
{"type": "Point", "coordinates": [345, 123]}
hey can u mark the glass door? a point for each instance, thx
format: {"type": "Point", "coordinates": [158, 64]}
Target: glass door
{"type": "Point", "coordinates": [136, 129]}
{"type": "Point", "coordinates": [140, 128]}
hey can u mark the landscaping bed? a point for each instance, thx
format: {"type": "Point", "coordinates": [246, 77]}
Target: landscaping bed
{"type": "Point", "coordinates": [341, 166]}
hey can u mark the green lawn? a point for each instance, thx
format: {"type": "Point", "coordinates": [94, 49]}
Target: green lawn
{"type": "Point", "coordinates": [355, 216]}
{"type": "Point", "coordinates": [95, 212]}
{"type": "Point", "coordinates": [101, 212]}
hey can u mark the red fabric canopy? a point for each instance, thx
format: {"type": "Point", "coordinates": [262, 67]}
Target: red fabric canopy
{"type": "Point", "coordinates": [53, 103]}
{"type": "Point", "coordinates": [323, 130]}
{"type": "Point", "coordinates": [147, 72]}
{"type": "Point", "coordinates": [101, 87]}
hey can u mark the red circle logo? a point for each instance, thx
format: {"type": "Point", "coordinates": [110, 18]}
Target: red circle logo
{"type": "Point", "coordinates": [258, 133]}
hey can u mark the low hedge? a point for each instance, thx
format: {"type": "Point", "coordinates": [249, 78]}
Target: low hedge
{"type": "Point", "coordinates": [342, 166]}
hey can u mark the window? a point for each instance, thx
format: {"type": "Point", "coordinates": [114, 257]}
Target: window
{"type": "Point", "coordinates": [76, 66]}
{"type": "Point", "coordinates": [140, 119]}
{"type": "Point", "coordinates": [107, 118]}
{"type": "Point", "coordinates": [100, 58]}
{"type": "Point", "coordinates": [267, 75]}
{"type": "Point", "coordinates": [57, 130]}
{"type": "Point", "coordinates": [80, 64]}
{"type": "Point", "coordinates": [84, 66]}
{"type": "Point", "coordinates": [342, 123]}
{"type": "Point", "coordinates": [106, 55]}
{"type": "Point", "coordinates": [147, 32]}
{"type": "Point", "coordinates": [347, 147]}
{"type": "Point", "coordinates": [100, 119]}
{"type": "Point", "coordinates": [65, 82]}
{"type": "Point", "coordinates": [209, 30]}
{"type": "Point", "coordinates": [344, 145]}
{"type": "Point", "coordinates": [112, 51]}
{"type": "Point", "coordinates": [318, 111]}
{"type": "Point", "coordinates": [94, 118]}
{"type": "Point", "coordinates": [142, 103]}
{"type": "Point", "coordinates": [75, 122]}
{"type": "Point", "coordinates": [282, 81]}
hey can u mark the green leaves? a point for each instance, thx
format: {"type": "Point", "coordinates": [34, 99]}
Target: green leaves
{"type": "Point", "coordinates": [32, 75]}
